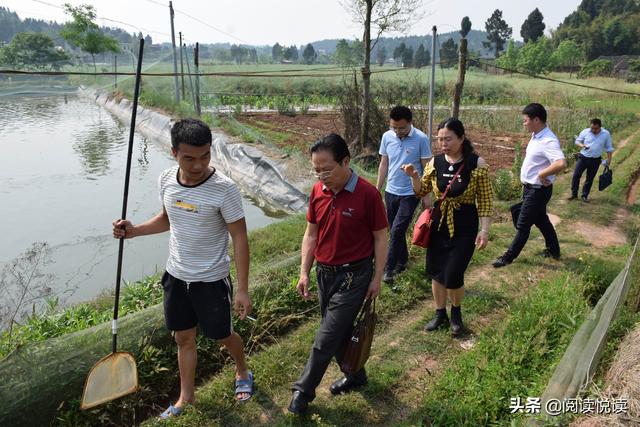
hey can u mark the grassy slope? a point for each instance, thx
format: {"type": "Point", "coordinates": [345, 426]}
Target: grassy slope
{"type": "Point", "coordinates": [522, 317]}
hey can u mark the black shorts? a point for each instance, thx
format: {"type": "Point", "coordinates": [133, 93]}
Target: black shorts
{"type": "Point", "coordinates": [203, 304]}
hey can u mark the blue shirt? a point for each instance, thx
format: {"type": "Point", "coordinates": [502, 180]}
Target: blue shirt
{"type": "Point", "coordinates": [596, 143]}
{"type": "Point", "coordinates": [410, 149]}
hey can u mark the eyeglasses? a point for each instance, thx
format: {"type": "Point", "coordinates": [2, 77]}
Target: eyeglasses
{"type": "Point", "coordinates": [324, 174]}
{"type": "Point", "coordinates": [404, 129]}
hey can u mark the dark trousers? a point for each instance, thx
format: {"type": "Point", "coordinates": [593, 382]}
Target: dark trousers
{"type": "Point", "coordinates": [534, 212]}
{"type": "Point", "coordinates": [591, 165]}
{"type": "Point", "coordinates": [400, 211]}
{"type": "Point", "coordinates": [341, 292]}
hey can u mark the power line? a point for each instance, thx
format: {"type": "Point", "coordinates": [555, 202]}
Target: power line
{"type": "Point", "coordinates": [200, 21]}
{"type": "Point", "coordinates": [537, 76]}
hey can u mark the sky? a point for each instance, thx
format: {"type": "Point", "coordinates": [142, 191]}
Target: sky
{"type": "Point", "coordinates": [265, 22]}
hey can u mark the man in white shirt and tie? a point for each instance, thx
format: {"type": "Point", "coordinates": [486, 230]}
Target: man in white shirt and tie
{"type": "Point", "coordinates": [593, 140]}
{"type": "Point", "coordinates": [543, 160]}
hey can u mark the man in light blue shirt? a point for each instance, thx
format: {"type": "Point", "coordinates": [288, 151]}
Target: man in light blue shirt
{"type": "Point", "coordinates": [401, 144]}
{"type": "Point", "coordinates": [593, 141]}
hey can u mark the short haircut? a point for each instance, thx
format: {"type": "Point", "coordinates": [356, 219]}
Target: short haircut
{"type": "Point", "coordinates": [534, 110]}
{"type": "Point", "coordinates": [191, 132]}
{"type": "Point", "coordinates": [400, 112]}
{"type": "Point", "coordinates": [333, 143]}
{"type": "Point", "coordinates": [596, 122]}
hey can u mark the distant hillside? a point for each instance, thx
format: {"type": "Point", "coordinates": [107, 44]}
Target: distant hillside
{"type": "Point", "coordinates": [603, 27]}
{"type": "Point", "coordinates": [11, 24]}
{"type": "Point", "coordinates": [475, 39]}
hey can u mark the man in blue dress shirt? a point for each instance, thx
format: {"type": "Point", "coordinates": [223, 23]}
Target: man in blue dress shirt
{"type": "Point", "coordinates": [593, 141]}
{"type": "Point", "coordinates": [401, 144]}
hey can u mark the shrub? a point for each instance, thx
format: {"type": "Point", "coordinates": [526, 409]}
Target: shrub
{"type": "Point", "coordinates": [634, 71]}
{"type": "Point", "coordinates": [506, 185]}
{"type": "Point", "coordinates": [598, 67]}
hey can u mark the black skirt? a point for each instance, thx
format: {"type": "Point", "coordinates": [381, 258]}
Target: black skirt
{"type": "Point", "coordinates": [448, 258]}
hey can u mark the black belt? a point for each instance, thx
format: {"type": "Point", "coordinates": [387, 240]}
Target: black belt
{"type": "Point", "coordinates": [344, 267]}
{"type": "Point", "coordinates": [534, 186]}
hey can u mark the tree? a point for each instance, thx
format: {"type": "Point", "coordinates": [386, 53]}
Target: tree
{"type": "Point", "coordinates": [465, 26]}
{"type": "Point", "coordinates": [536, 57]}
{"type": "Point", "coordinates": [421, 57]}
{"type": "Point", "coordinates": [253, 55]}
{"type": "Point", "coordinates": [9, 24]}
{"type": "Point", "coordinates": [148, 41]}
{"type": "Point", "coordinates": [448, 53]}
{"type": "Point", "coordinates": [84, 33]}
{"type": "Point", "coordinates": [276, 52]}
{"type": "Point", "coordinates": [498, 32]}
{"type": "Point", "coordinates": [32, 51]}
{"type": "Point", "coordinates": [509, 59]}
{"type": "Point", "coordinates": [381, 55]}
{"type": "Point", "coordinates": [568, 55]}
{"type": "Point", "coordinates": [342, 54]}
{"type": "Point", "coordinates": [382, 16]}
{"type": "Point", "coordinates": [617, 37]}
{"type": "Point", "coordinates": [407, 57]}
{"type": "Point", "coordinates": [309, 54]}
{"type": "Point", "coordinates": [291, 53]}
{"type": "Point", "coordinates": [238, 53]}
{"type": "Point", "coordinates": [533, 27]}
{"type": "Point", "coordinates": [399, 51]}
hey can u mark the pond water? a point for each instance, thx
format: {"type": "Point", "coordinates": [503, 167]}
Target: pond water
{"type": "Point", "coordinates": [62, 167]}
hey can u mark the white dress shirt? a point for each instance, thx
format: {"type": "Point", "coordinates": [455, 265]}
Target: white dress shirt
{"type": "Point", "coordinates": [542, 150]}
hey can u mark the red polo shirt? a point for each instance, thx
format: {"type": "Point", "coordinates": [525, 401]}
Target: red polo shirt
{"type": "Point", "coordinates": [346, 221]}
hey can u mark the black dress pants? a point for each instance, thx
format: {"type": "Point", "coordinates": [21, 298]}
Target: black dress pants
{"type": "Point", "coordinates": [534, 212]}
{"type": "Point", "coordinates": [341, 291]}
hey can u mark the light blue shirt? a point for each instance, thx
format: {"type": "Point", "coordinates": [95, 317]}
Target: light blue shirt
{"type": "Point", "coordinates": [596, 143]}
{"type": "Point", "coordinates": [410, 149]}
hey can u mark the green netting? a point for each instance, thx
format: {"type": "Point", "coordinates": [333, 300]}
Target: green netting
{"type": "Point", "coordinates": [37, 378]}
{"type": "Point", "coordinates": [579, 363]}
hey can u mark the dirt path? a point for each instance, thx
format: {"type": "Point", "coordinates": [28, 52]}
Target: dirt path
{"type": "Point", "coordinates": [625, 141]}
{"type": "Point", "coordinates": [633, 192]}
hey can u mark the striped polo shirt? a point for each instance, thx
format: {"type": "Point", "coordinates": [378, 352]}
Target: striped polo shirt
{"type": "Point", "coordinates": [198, 216]}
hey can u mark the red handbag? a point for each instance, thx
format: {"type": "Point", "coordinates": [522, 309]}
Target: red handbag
{"type": "Point", "coordinates": [422, 228]}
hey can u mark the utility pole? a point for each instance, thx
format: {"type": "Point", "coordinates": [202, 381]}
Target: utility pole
{"type": "Point", "coordinates": [181, 67]}
{"type": "Point", "coordinates": [462, 65]}
{"type": "Point", "coordinates": [175, 60]}
{"type": "Point", "coordinates": [186, 57]}
{"type": "Point", "coordinates": [433, 82]}
{"type": "Point", "coordinates": [196, 62]}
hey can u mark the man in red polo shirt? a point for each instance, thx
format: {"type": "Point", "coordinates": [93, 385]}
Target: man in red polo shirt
{"type": "Point", "coordinates": [346, 231]}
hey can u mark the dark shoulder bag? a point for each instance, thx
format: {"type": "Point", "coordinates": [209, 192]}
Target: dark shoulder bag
{"type": "Point", "coordinates": [357, 345]}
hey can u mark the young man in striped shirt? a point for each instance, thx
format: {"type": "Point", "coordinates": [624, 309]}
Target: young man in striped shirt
{"type": "Point", "coordinates": [200, 208]}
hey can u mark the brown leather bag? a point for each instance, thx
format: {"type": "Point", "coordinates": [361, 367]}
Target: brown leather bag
{"type": "Point", "coordinates": [357, 345]}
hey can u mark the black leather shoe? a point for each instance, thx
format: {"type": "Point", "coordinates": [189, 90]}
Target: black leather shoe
{"type": "Point", "coordinates": [299, 403]}
{"type": "Point", "coordinates": [572, 197]}
{"type": "Point", "coordinates": [456, 321]}
{"type": "Point", "coordinates": [546, 253]}
{"type": "Point", "coordinates": [501, 261]}
{"type": "Point", "coordinates": [441, 319]}
{"type": "Point", "coordinates": [345, 385]}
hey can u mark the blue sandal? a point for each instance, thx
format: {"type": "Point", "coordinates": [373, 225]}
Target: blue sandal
{"type": "Point", "coordinates": [171, 411]}
{"type": "Point", "coordinates": [245, 386]}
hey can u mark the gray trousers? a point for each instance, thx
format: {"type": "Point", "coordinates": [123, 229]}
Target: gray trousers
{"type": "Point", "coordinates": [341, 291]}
